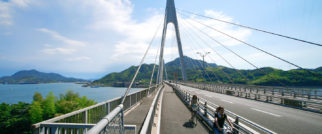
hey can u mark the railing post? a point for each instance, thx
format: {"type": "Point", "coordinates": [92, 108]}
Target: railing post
{"type": "Point", "coordinates": [282, 101]}
{"type": "Point", "coordinates": [86, 115]}
{"type": "Point", "coordinates": [53, 130]}
{"type": "Point", "coordinates": [42, 130]}
{"type": "Point", "coordinates": [206, 112]}
{"type": "Point", "coordinates": [235, 131]}
{"type": "Point", "coordinates": [130, 100]}
{"type": "Point", "coordinates": [109, 107]}
{"type": "Point", "coordinates": [122, 123]}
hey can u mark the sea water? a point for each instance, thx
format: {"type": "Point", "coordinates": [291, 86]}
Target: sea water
{"type": "Point", "coordinates": [13, 93]}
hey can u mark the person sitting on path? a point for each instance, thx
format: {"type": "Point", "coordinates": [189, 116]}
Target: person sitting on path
{"type": "Point", "coordinates": [220, 118]}
{"type": "Point", "coordinates": [194, 107]}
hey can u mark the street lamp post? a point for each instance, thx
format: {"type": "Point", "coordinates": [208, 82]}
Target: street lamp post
{"type": "Point", "coordinates": [203, 57]}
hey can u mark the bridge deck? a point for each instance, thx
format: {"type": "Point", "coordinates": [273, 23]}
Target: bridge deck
{"type": "Point", "coordinates": [175, 116]}
{"type": "Point", "coordinates": [137, 115]}
{"type": "Point", "coordinates": [274, 117]}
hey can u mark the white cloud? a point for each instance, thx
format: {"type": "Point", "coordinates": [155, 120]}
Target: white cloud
{"type": "Point", "coordinates": [81, 58]}
{"type": "Point", "coordinates": [22, 3]}
{"type": "Point", "coordinates": [61, 38]}
{"type": "Point", "coordinates": [58, 51]}
{"type": "Point", "coordinates": [110, 17]}
{"type": "Point", "coordinates": [7, 8]}
{"type": "Point", "coordinates": [5, 16]}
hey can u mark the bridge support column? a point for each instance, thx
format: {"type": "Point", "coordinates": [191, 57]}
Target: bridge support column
{"type": "Point", "coordinates": [171, 17]}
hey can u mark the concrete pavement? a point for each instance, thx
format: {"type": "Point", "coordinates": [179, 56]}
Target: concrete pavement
{"type": "Point", "coordinates": [175, 116]}
{"type": "Point", "coordinates": [137, 115]}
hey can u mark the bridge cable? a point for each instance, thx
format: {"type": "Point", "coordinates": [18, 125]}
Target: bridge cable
{"type": "Point", "coordinates": [223, 58]}
{"type": "Point", "coordinates": [243, 42]}
{"type": "Point", "coordinates": [142, 60]}
{"type": "Point", "coordinates": [233, 52]}
{"type": "Point", "coordinates": [155, 63]}
{"type": "Point", "coordinates": [191, 37]}
{"type": "Point", "coordinates": [248, 27]}
{"type": "Point", "coordinates": [202, 68]}
{"type": "Point", "coordinates": [200, 65]}
{"type": "Point", "coordinates": [224, 46]}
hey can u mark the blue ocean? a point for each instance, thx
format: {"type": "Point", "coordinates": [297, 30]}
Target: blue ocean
{"type": "Point", "coordinates": [13, 93]}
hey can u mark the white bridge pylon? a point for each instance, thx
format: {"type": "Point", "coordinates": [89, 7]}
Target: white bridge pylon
{"type": "Point", "coordinates": [170, 17]}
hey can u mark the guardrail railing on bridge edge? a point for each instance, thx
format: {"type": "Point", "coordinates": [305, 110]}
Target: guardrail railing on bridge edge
{"type": "Point", "coordinates": [82, 120]}
{"type": "Point", "coordinates": [206, 111]}
{"type": "Point", "coordinates": [281, 97]}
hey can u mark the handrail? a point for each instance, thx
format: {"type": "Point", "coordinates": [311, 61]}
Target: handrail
{"type": "Point", "coordinates": [150, 114]}
{"type": "Point", "coordinates": [79, 111]}
{"type": "Point", "coordinates": [304, 103]}
{"type": "Point", "coordinates": [104, 122]}
{"type": "Point", "coordinates": [257, 86]}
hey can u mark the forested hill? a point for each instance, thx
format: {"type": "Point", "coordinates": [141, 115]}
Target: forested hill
{"type": "Point", "coordinates": [34, 76]}
{"type": "Point", "coordinates": [263, 76]}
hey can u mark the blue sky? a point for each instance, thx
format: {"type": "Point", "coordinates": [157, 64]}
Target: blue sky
{"type": "Point", "coordinates": [90, 38]}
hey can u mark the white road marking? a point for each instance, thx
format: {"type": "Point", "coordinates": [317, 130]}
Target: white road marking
{"type": "Point", "coordinates": [227, 101]}
{"type": "Point", "coordinates": [266, 112]}
{"type": "Point", "coordinates": [207, 95]}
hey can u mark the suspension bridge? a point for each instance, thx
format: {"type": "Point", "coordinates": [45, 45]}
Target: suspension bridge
{"type": "Point", "coordinates": [164, 107]}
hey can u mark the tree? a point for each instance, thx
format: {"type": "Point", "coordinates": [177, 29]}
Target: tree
{"type": "Point", "coordinates": [84, 102]}
{"type": "Point", "coordinates": [38, 97]}
{"type": "Point", "coordinates": [35, 112]}
{"type": "Point", "coordinates": [49, 106]}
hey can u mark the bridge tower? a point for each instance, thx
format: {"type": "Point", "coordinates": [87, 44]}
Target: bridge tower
{"type": "Point", "coordinates": [170, 17]}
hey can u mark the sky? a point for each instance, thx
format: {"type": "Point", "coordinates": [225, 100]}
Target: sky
{"type": "Point", "coordinates": [91, 38]}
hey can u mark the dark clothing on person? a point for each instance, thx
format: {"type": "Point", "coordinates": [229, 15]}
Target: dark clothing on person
{"type": "Point", "coordinates": [221, 120]}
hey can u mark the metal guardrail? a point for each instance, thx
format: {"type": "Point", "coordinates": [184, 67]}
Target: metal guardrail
{"type": "Point", "coordinates": [113, 123]}
{"type": "Point", "coordinates": [206, 110]}
{"type": "Point", "coordinates": [148, 122]}
{"type": "Point", "coordinates": [273, 90]}
{"type": "Point", "coordinates": [285, 97]}
{"type": "Point", "coordinates": [82, 120]}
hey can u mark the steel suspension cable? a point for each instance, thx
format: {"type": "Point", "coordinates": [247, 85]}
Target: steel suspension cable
{"type": "Point", "coordinates": [234, 53]}
{"type": "Point", "coordinates": [155, 63]}
{"type": "Point", "coordinates": [224, 46]}
{"type": "Point", "coordinates": [201, 64]}
{"type": "Point", "coordinates": [142, 60]}
{"type": "Point", "coordinates": [243, 42]}
{"type": "Point", "coordinates": [248, 27]}
{"type": "Point", "coordinates": [204, 42]}
{"type": "Point", "coordinates": [190, 36]}
{"type": "Point", "coordinates": [224, 59]}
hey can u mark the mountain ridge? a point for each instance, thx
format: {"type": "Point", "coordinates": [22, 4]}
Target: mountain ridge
{"type": "Point", "coordinates": [34, 77]}
{"type": "Point", "coordinates": [266, 76]}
